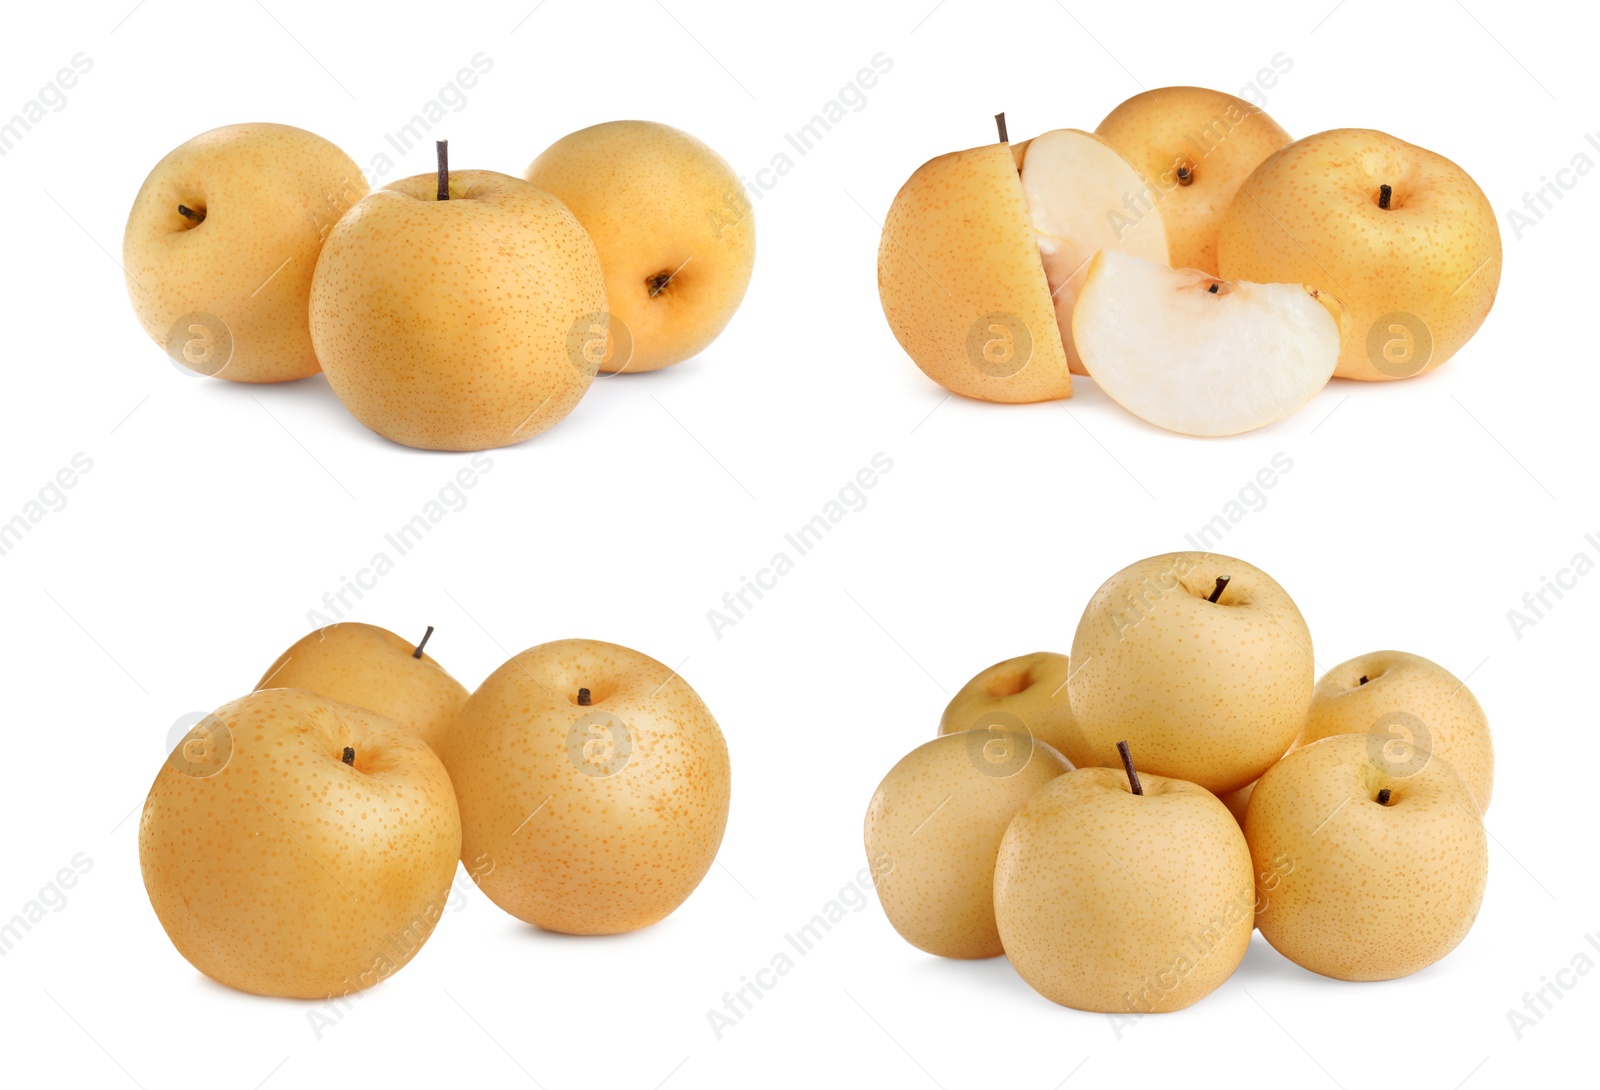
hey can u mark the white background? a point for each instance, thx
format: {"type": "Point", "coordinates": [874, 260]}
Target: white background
{"type": "Point", "coordinates": [215, 516]}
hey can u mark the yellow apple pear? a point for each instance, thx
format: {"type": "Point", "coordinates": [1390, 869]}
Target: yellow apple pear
{"type": "Point", "coordinates": [1193, 147]}
{"type": "Point", "coordinates": [593, 784]}
{"type": "Point", "coordinates": [961, 283]}
{"type": "Point", "coordinates": [933, 828]}
{"type": "Point", "coordinates": [372, 668]}
{"type": "Point", "coordinates": [1363, 874]}
{"type": "Point", "coordinates": [458, 321]}
{"type": "Point", "coordinates": [1408, 708]}
{"type": "Point", "coordinates": [222, 242]}
{"type": "Point", "coordinates": [1026, 694]}
{"type": "Point", "coordinates": [1115, 899]}
{"type": "Point", "coordinates": [1403, 237]}
{"type": "Point", "coordinates": [294, 846]}
{"type": "Point", "coordinates": [1200, 661]}
{"type": "Point", "coordinates": [673, 227]}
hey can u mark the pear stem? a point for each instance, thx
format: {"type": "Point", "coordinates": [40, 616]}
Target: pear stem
{"type": "Point", "coordinates": [1384, 193]}
{"type": "Point", "coordinates": [1000, 124]}
{"type": "Point", "coordinates": [584, 698]}
{"type": "Point", "coordinates": [442, 147]}
{"type": "Point", "coordinates": [426, 636]}
{"type": "Point", "coordinates": [1185, 176]}
{"type": "Point", "coordinates": [1383, 797]}
{"type": "Point", "coordinates": [349, 757]}
{"type": "Point", "coordinates": [190, 214]}
{"type": "Point", "coordinates": [1127, 766]}
{"type": "Point", "coordinates": [1222, 583]}
{"type": "Point", "coordinates": [1363, 679]}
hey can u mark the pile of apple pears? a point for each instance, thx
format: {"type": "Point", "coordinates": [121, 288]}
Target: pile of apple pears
{"type": "Point", "coordinates": [460, 310]}
{"type": "Point", "coordinates": [1209, 274]}
{"type": "Point", "coordinates": [302, 840]}
{"type": "Point", "coordinates": [1118, 821]}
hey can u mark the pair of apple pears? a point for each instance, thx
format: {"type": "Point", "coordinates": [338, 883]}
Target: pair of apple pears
{"type": "Point", "coordinates": [1209, 274]}
{"type": "Point", "coordinates": [1074, 811]}
{"type": "Point", "coordinates": [457, 310]}
{"type": "Point", "coordinates": [302, 840]}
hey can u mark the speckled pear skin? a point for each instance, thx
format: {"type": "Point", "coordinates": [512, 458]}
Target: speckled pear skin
{"type": "Point", "coordinates": [1028, 693]}
{"type": "Point", "coordinates": [936, 821]}
{"type": "Point", "coordinates": [1111, 902]}
{"type": "Point", "coordinates": [270, 193]}
{"type": "Point", "coordinates": [1309, 215]}
{"type": "Point", "coordinates": [289, 872]}
{"type": "Point", "coordinates": [588, 820]}
{"type": "Point", "coordinates": [458, 324]}
{"type": "Point", "coordinates": [1355, 889]}
{"type": "Point", "coordinates": [958, 246]}
{"type": "Point", "coordinates": [1219, 138]}
{"type": "Point", "coordinates": [1212, 693]}
{"type": "Point", "coordinates": [372, 668]}
{"type": "Point", "coordinates": [657, 201]}
{"type": "Point", "coordinates": [1398, 681]}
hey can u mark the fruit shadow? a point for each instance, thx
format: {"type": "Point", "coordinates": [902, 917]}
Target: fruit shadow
{"type": "Point", "coordinates": [314, 407]}
{"type": "Point", "coordinates": [990, 976]}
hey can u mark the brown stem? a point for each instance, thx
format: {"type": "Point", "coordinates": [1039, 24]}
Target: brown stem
{"type": "Point", "coordinates": [1222, 583]}
{"type": "Point", "coordinates": [1363, 679]}
{"type": "Point", "coordinates": [1127, 766]}
{"type": "Point", "coordinates": [1000, 123]}
{"type": "Point", "coordinates": [1384, 193]}
{"type": "Point", "coordinates": [349, 757]}
{"type": "Point", "coordinates": [190, 214]}
{"type": "Point", "coordinates": [1383, 797]}
{"type": "Point", "coordinates": [443, 149]}
{"type": "Point", "coordinates": [1185, 176]}
{"type": "Point", "coordinates": [426, 636]}
{"type": "Point", "coordinates": [584, 699]}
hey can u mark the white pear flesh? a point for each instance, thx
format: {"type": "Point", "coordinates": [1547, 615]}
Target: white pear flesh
{"type": "Point", "coordinates": [1197, 355]}
{"type": "Point", "coordinates": [1084, 197]}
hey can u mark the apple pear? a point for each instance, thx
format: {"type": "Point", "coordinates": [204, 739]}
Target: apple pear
{"type": "Point", "coordinates": [222, 242]}
{"type": "Point", "coordinates": [673, 227]}
{"type": "Point", "coordinates": [1408, 708]}
{"type": "Point", "coordinates": [1200, 661]}
{"type": "Point", "coordinates": [1193, 146]}
{"type": "Point", "coordinates": [458, 320]}
{"type": "Point", "coordinates": [1118, 899]}
{"type": "Point", "coordinates": [372, 668]}
{"type": "Point", "coordinates": [1026, 694]}
{"type": "Point", "coordinates": [593, 784]}
{"type": "Point", "coordinates": [1364, 874]}
{"type": "Point", "coordinates": [294, 846]}
{"type": "Point", "coordinates": [933, 828]}
{"type": "Point", "coordinates": [1403, 237]}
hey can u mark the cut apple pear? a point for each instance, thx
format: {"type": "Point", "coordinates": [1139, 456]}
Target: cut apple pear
{"type": "Point", "coordinates": [1194, 354]}
{"type": "Point", "coordinates": [1083, 197]}
{"type": "Point", "coordinates": [961, 285]}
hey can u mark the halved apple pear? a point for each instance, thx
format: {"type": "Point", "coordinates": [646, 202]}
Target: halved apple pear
{"type": "Point", "coordinates": [1194, 354]}
{"type": "Point", "coordinates": [1084, 197]}
{"type": "Point", "coordinates": [961, 284]}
